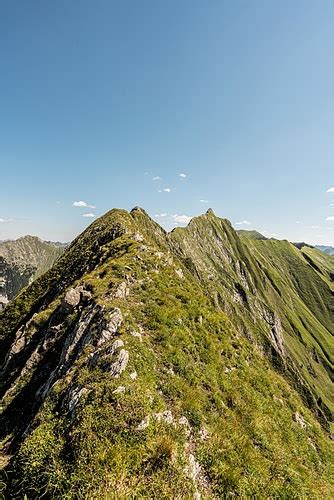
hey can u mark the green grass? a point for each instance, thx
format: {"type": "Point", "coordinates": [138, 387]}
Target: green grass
{"type": "Point", "coordinates": [201, 356]}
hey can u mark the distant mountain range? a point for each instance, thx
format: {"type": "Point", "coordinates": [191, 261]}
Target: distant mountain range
{"type": "Point", "coordinates": [326, 249]}
{"type": "Point", "coordinates": [192, 364]}
{"type": "Point", "coordinates": [23, 260]}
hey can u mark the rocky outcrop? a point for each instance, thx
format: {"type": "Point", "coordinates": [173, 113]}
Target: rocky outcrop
{"type": "Point", "coordinates": [276, 330]}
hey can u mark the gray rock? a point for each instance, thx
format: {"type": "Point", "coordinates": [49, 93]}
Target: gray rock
{"type": "Point", "coordinates": [116, 345]}
{"type": "Point", "coordinates": [138, 237]}
{"type": "Point", "coordinates": [119, 390]}
{"type": "Point", "coordinates": [165, 416]}
{"type": "Point", "coordinates": [300, 420]}
{"type": "Point", "coordinates": [74, 397]}
{"type": "Point", "coordinates": [122, 291]}
{"type": "Point", "coordinates": [184, 422]}
{"type": "Point", "coordinates": [72, 347]}
{"type": "Point", "coordinates": [101, 354]}
{"type": "Point", "coordinates": [72, 298]}
{"type": "Point", "coordinates": [204, 434]}
{"type": "Point", "coordinates": [179, 272]}
{"type": "Point", "coordinates": [143, 424]}
{"type": "Point", "coordinates": [115, 321]}
{"type": "Point", "coordinates": [119, 366]}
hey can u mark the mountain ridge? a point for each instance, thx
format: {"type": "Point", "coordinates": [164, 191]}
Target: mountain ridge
{"type": "Point", "coordinates": [178, 363]}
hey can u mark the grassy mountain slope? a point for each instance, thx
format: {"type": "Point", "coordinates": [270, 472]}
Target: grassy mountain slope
{"type": "Point", "coordinates": [322, 263]}
{"type": "Point", "coordinates": [255, 235]}
{"type": "Point", "coordinates": [147, 364]}
{"type": "Point", "coordinates": [305, 297]}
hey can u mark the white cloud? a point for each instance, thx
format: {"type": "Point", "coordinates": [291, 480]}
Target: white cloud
{"type": "Point", "coordinates": [161, 215]}
{"type": "Point", "coordinates": [204, 201]}
{"type": "Point", "coordinates": [90, 214]}
{"type": "Point", "coordinates": [315, 227]}
{"type": "Point", "coordinates": [182, 219]}
{"type": "Point", "coordinates": [331, 217]}
{"type": "Point", "coordinates": [183, 175]}
{"type": "Point", "coordinates": [243, 223]}
{"type": "Point", "coordinates": [330, 190]}
{"type": "Point", "coordinates": [167, 190]}
{"type": "Point", "coordinates": [82, 204]}
{"type": "Point", "coordinates": [297, 221]}
{"type": "Point", "coordinates": [267, 234]}
{"type": "Point", "coordinates": [156, 178]}
{"type": "Point", "coordinates": [3, 221]}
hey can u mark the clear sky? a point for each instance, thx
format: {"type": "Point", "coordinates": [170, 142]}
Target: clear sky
{"type": "Point", "coordinates": [99, 98]}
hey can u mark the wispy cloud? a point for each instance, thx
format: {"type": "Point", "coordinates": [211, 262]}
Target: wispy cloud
{"type": "Point", "coordinates": [267, 234]}
{"type": "Point", "coordinates": [243, 223]}
{"type": "Point", "coordinates": [167, 190]}
{"type": "Point", "coordinates": [182, 175]}
{"type": "Point", "coordinates": [331, 217]}
{"type": "Point", "coordinates": [83, 204]}
{"type": "Point", "coordinates": [89, 215]}
{"type": "Point", "coordinates": [156, 178]}
{"type": "Point", "coordinates": [4, 221]}
{"type": "Point", "coordinates": [181, 219]}
{"type": "Point", "coordinates": [161, 215]}
{"type": "Point", "coordinates": [315, 227]}
{"type": "Point", "coordinates": [330, 190]}
{"type": "Point", "coordinates": [204, 201]}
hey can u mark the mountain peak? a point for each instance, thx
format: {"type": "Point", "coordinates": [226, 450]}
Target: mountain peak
{"type": "Point", "coordinates": [144, 361]}
{"type": "Point", "coordinates": [139, 210]}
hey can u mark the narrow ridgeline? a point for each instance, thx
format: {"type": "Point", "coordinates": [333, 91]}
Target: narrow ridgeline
{"type": "Point", "coordinates": [191, 364]}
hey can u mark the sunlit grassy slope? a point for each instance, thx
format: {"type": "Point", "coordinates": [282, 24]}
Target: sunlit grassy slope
{"type": "Point", "coordinates": [216, 398]}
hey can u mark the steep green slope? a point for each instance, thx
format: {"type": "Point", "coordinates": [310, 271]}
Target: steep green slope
{"type": "Point", "coordinates": [23, 260]}
{"type": "Point", "coordinates": [322, 263]}
{"type": "Point", "coordinates": [306, 304]}
{"type": "Point", "coordinates": [255, 235]}
{"type": "Point", "coordinates": [141, 365]}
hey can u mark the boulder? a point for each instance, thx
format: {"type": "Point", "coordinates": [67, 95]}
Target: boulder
{"type": "Point", "coordinates": [72, 298]}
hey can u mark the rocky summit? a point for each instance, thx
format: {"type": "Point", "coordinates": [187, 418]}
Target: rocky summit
{"type": "Point", "coordinates": [191, 364]}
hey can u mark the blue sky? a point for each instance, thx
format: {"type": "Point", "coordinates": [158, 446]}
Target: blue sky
{"type": "Point", "coordinates": [99, 98]}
